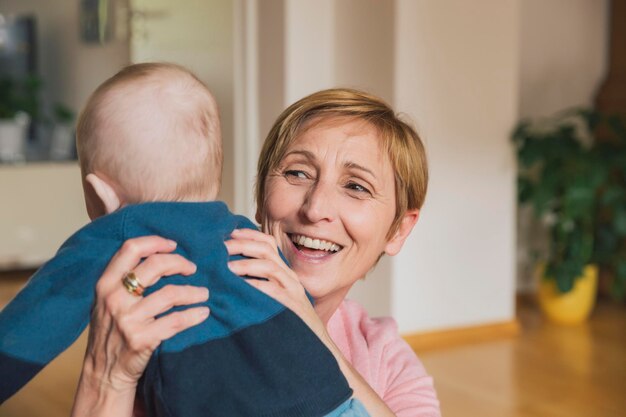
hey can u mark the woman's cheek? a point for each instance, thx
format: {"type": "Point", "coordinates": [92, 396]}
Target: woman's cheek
{"type": "Point", "coordinates": [280, 202]}
{"type": "Point", "coordinates": [359, 213]}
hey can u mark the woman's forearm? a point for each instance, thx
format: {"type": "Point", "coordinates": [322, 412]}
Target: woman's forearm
{"type": "Point", "coordinates": [95, 398]}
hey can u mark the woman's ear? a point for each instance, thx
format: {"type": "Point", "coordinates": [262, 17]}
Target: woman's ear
{"type": "Point", "coordinates": [406, 225]}
{"type": "Point", "coordinates": [100, 197]}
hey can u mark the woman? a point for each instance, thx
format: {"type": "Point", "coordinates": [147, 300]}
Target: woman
{"type": "Point", "coordinates": [340, 183]}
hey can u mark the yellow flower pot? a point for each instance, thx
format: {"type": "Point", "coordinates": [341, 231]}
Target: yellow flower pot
{"type": "Point", "coordinates": [573, 307]}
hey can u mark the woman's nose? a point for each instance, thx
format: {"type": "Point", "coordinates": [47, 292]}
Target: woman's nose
{"type": "Point", "coordinates": [319, 203]}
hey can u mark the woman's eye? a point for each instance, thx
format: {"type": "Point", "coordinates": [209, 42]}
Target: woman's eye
{"type": "Point", "coordinates": [357, 187]}
{"type": "Point", "coordinates": [295, 174]}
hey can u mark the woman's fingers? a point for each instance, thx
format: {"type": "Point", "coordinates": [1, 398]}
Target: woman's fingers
{"type": "Point", "coordinates": [294, 299]}
{"type": "Point", "coordinates": [252, 249]}
{"type": "Point", "coordinates": [255, 244]}
{"type": "Point", "coordinates": [129, 255]}
{"type": "Point", "coordinates": [264, 260]}
{"type": "Point", "coordinates": [255, 235]}
{"type": "Point", "coordinates": [115, 295]}
{"type": "Point", "coordinates": [167, 297]}
{"type": "Point", "coordinates": [169, 325]}
{"type": "Point", "coordinates": [158, 265]}
{"type": "Point", "coordinates": [262, 268]}
{"type": "Point", "coordinates": [282, 283]}
{"type": "Point", "coordinates": [270, 288]}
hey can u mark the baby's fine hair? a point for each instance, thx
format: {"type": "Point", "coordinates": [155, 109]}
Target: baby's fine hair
{"type": "Point", "coordinates": [153, 130]}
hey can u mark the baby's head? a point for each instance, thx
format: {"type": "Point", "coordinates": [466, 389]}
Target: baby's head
{"type": "Point", "coordinates": [149, 133]}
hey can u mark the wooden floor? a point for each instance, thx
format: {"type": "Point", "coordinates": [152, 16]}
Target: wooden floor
{"type": "Point", "coordinates": [547, 371]}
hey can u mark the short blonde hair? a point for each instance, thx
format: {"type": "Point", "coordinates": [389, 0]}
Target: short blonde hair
{"type": "Point", "coordinates": [154, 130]}
{"type": "Point", "coordinates": [399, 139]}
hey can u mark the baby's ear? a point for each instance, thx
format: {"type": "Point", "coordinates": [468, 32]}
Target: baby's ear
{"type": "Point", "coordinates": [100, 196]}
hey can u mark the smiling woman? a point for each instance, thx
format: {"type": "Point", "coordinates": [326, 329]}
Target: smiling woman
{"type": "Point", "coordinates": [341, 180]}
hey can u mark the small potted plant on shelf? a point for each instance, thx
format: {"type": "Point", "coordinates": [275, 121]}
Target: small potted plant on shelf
{"type": "Point", "coordinates": [19, 105]}
{"type": "Point", "coordinates": [572, 181]}
{"type": "Point", "coordinates": [62, 143]}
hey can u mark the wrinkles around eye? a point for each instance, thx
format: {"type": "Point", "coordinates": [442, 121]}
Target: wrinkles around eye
{"type": "Point", "coordinates": [353, 186]}
{"type": "Point", "coordinates": [296, 176]}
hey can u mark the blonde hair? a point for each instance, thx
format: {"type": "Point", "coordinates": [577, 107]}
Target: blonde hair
{"type": "Point", "coordinates": [400, 141]}
{"type": "Point", "coordinates": [154, 130]}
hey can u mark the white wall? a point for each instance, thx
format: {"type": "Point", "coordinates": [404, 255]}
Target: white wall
{"type": "Point", "coordinates": [452, 67]}
{"type": "Point", "coordinates": [70, 68]}
{"type": "Point", "coordinates": [271, 65]}
{"type": "Point", "coordinates": [563, 54]}
{"type": "Point", "coordinates": [561, 66]}
{"type": "Point", "coordinates": [364, 46]}
{"type": "Point", "coordinates": [309, 47]}
{"type": "Point", "coordinates": [41, 205]}
{"type": "Point", "coordinates": [456, 74]}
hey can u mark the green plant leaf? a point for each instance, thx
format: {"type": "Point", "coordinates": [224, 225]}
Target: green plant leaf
{"type": "Point", "coordinates": [564, 280]}
{"type": "Point", "coordinates": [542, 198]}
{"type": "Point", "coordinates": [618, 290]}
{"type": "Point", "coordinates": [617, 125]}
{"type": "Point", "coordinates": [579, 199]}
{"type": "Point", "coordinates": [619, 221]}
{"type": "Point", "coordinates": [612, 195]}
{"type": "Point", "coordinates": [62, 113]}
{"type": "Point", "coordinates": [591, 117]}
{"type": "Point", "coordinates": [524, 189]}
{"type": "Point", "coordinates": [530, 154]}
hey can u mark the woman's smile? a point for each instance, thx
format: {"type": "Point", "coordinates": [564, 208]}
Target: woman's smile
{"type": "Point", "coordinates": [303, 242]}
{"type": "Point", "coordinates": [311, 249]}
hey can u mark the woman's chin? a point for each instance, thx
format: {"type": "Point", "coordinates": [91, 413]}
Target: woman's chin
{"type": "Point", "coordinates": [316, 289]}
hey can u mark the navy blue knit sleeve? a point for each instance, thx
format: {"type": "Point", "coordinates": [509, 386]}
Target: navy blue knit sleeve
{"type": "Point", "coordinates": [52, 310]}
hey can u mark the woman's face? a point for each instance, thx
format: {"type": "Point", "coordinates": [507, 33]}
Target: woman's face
{"type": "Point", "coordinates": [330, 204]}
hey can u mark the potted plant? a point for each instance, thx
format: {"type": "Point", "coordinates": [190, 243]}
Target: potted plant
{"type": "Point", "coordinates": [19, 104]}
{"type": "Point", "coordinates": [571, 181]}
{"type": "Point", "coordinates": [62, 143]}
{"type": "Point", "coordinates": [610, 225]}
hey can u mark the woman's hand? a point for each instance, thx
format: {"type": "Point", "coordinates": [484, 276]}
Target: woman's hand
{"type": "Point", "coordinates": [282, 282]}
{"type": "Point", "coordinates": [124, 331]}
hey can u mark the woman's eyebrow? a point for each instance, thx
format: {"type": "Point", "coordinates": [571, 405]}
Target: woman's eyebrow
{"type": "Point", "coordinates": [306, 154]}
{"type": "Point", "coordinates": [354, 165]}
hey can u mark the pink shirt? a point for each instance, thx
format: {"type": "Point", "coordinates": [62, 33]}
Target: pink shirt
{"type": "Point", "coordinates": [375, 349]}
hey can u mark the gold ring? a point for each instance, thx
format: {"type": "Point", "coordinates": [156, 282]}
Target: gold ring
{"type": "Point", "coordinates": [132, 284]}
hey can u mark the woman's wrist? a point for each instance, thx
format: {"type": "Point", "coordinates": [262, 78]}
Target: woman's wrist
{"type": "Point", "coordinates": [96, 396]}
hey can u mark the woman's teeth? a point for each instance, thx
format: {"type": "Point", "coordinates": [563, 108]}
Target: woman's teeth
{"type": "Point", "coordinates": [318, 244]}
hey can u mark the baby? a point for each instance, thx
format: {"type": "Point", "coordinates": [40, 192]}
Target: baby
{"type": "Point", "coordinates": [149, 145]}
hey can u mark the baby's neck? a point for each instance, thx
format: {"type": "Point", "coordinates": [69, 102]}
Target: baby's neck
{"type": "Point", "coordinates": [176, 199]}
